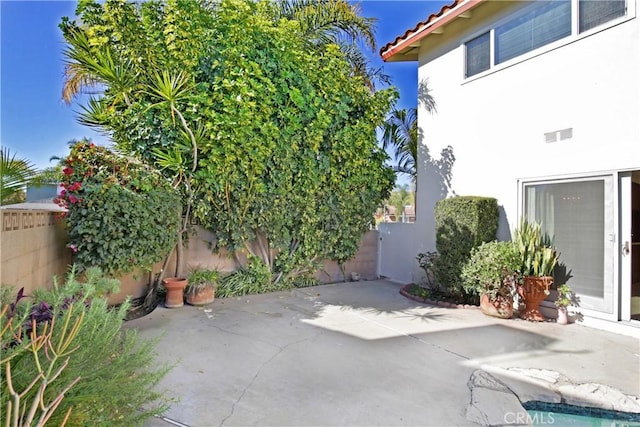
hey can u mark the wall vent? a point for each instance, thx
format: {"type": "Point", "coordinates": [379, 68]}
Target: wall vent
{"type": "Point", "coordinates": [558, 135]}
{"type": "Point", "coordinates": [550, 137]}
{"type": "Point", "coordinates": [566, 134]}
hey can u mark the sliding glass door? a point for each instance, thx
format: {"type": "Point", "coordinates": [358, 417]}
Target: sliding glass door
{"type": "Point", "coordinates": [579, 214]}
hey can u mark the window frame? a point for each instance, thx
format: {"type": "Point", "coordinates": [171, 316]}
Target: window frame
{"type": "Point", "coordinates": [575, 35]}
{"type": "Point", "coordinates": [489, 35]}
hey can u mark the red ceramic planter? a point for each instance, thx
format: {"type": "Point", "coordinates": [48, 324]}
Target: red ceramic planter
{"type": "Point", "coordinates": [534, 290]}
{"type": "Point", "coordinates": [175, 291]}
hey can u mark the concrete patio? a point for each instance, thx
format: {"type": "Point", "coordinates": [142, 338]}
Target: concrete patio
{"type": "Point", "coordinates": [362, 354]}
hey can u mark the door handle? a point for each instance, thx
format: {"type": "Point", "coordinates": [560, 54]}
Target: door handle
{"type": "Point", "coordinates": [625, 248]}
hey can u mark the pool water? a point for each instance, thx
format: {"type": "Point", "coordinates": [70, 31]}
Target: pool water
{"type": "Point", "coordinates": [558, 414]}
{"type": "Point", "coordinates": [545, 418]}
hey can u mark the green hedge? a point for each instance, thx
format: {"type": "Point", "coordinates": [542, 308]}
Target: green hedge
{"type": "Point", "coordinates": [462, 223]}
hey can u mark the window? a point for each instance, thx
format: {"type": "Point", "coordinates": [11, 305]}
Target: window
{"type": "Point", "coordinates": [539, 24]}
{"type": "Point", "coordinates": [596, 12]}
{"type": "Point", "coordinates": [546, 23]}
{"type": "Point", "coordinates": [478, 58]}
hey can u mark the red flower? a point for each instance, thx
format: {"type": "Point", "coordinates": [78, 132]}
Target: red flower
{"type": "Point", "coordinates": [73, 199]}
{"type": "Point", "coordinates": [67, 170]}
{"type": "Point", "coordinates": [75, 186]}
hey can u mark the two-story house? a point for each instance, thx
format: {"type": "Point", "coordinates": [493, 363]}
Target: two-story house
{"type": "Point", "coordinates": [540, 104]}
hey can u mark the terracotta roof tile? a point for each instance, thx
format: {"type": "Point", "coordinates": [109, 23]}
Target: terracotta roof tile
{"type": "Point", "coordinates": [387, 49]}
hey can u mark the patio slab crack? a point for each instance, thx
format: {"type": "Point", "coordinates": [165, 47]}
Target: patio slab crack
{"type": "Point", "coordinates": [259, 370]}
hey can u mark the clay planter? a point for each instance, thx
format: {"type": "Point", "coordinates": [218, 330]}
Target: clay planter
{"type": "Point", "coordinates": [563, 316]}
{"type": "Point", "coordinates": [534, 290]}
{"type": "Point", "coordinates": [502, 308]}
{"type": "Point", "coordinates": [203, 296]}
{"type": "Point", "coordinates": [175, 291]}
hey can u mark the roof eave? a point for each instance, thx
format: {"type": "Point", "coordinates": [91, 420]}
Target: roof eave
{"type": "Point", "coordinates": [390, 52]}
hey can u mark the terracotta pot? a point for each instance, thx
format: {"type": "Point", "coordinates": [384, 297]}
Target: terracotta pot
{"type": "Point", "coordinates": [175, 291]}
{"type": "Point", "coordinates": [202, 296]}
{"type": "Point", "coordinates": [502, 308]}
{"type": "Point", "coordinates": [534, 290]}
{"type": "Point", "coordinates": [563, 317]}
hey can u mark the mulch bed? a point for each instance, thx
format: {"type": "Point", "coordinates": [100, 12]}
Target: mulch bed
{"type": "Point", "coordinates": [404, 291]}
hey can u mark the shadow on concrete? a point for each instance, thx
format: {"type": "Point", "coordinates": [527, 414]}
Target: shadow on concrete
{"type": "Point", "coordinates": [352, 354]}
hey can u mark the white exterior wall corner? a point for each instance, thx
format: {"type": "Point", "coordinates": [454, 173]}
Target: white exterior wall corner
{"type": "Point", "coordinates": [496, 122]}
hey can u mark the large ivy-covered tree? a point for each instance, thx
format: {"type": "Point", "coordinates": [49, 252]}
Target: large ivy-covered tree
{"type": "Point", "coordinates": [272, 138]}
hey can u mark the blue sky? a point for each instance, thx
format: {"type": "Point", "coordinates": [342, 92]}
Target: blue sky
{"type": "Point", "coordinates": [36, 124]}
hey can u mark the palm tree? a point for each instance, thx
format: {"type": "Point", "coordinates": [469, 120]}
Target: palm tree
{"type": "Point", "coordinates": [324, 22]}
{"type": "Point", "coordinates": [15, 174]}
{"type": "Point", "coordinates": [400, 134]}
{"type": "Point", "coordinates": [400, 197]}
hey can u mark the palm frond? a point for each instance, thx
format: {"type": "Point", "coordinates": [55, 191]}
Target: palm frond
{"type": "Point", "coordinates": [336, 17]}
{"type": "Point", "coordinates": [96, 114]}
{"type": "Point", "coordinates": [88, 66]}
{"type": "Point", "coordinates": [400, 135]}
{"type": "Point", "coordinates": [15, 174]}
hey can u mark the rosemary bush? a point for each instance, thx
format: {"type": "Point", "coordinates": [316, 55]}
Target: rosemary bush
{"type": "Point", "coordinates": [116, 372]}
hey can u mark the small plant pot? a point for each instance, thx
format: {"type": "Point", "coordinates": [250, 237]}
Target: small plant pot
{"type": "Point", "coordinates": [175, 291]}
{"type": "Point", "coordinates": [563, 316]}
{"type": "Point", "coordinates": [502, 309]}
{"type": "Point", "coordinates": [201, 296]}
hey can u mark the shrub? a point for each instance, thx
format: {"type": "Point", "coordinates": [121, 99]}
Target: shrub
{"type": "Point", "coordinates": [116, 371]}
{"type": "Point", "coordinates": [121, 214]}
{"type": "Point", "coordinates": [200, 278]}
{"type": "Point", "coordinates": [487, 267]}
{"type": "Point", "coordinates": [16, 345]}
{"type": "Point", "coordinates": [426, 261]}
{"type": "Point", "coordinates": [254, 278]}
{"type": "Point", "coordinates": [462, 223]}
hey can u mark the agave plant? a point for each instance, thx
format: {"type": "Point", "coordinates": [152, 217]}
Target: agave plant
{"type": "Point", "coordinates": [538, 256]}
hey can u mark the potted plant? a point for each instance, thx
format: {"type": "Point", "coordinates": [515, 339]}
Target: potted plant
{"type": "Point", "coordinates": [538, 258]}
{"type": "Point", "coordinates": [175, 291]}
{"type": "Point", "coordinates": [201, 289]}
{"type": "Point", "coordinates": [565, 298]}
{"type": "Point", "coordinates": [491, 273]}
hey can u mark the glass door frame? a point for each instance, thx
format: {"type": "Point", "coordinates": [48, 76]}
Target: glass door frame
{"type": "Point", "coordinates": [624, 185]}
{"type": "Point", "coordinates": [611, 239]}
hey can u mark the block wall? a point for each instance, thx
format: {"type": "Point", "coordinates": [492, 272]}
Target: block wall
{"type": "Point", "coordinates": [32, 249]}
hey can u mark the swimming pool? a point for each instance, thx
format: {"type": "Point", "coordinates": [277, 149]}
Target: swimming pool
{"type": "Point", "coordinates": [559, 414]}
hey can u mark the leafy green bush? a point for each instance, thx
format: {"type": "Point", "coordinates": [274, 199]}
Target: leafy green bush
{"type": "Point", "coordinates": [121, 214]}
{"type": "Point", "coordinates": [117, 372]}
{"type": "Point", "coordinates": [487, 268]}
{"type": "Point", "coordinates": [462, 223]}
{"type": "Point", "coordinates": [254, 278]}
{"type": "Point", "coordinates": [200, 278]}
{"type": "Point", "coordinates": [270, 121]}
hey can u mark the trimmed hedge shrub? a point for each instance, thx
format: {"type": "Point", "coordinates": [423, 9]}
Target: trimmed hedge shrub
{"type": "Point", "coordinates": [462, 223]}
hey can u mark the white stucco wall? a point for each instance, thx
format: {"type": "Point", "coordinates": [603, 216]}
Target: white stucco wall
{"type": "Point", "coordinates": [496, 122]}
